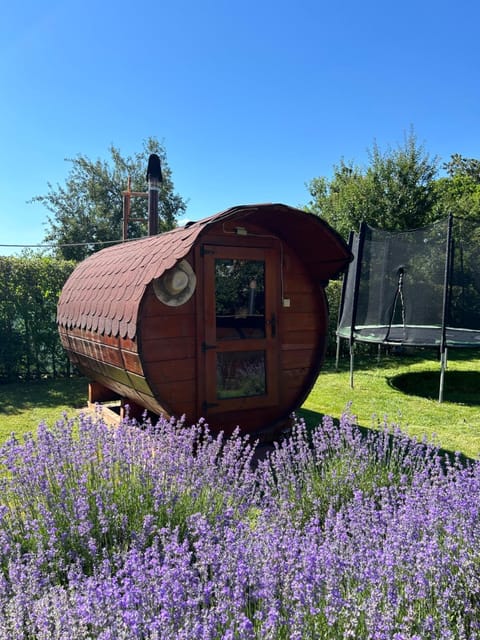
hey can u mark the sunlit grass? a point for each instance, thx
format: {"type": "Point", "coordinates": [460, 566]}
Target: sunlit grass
{"type": "Point", "coordinates": [404, 389]}
{"type": "Point", "coordinates": [24, 405]}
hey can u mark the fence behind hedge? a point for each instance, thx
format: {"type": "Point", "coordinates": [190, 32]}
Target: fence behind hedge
{"type": "Point", "coordinates": [29, 343]}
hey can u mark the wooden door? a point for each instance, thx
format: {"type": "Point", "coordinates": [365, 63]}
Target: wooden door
{"type": "Point", "coordinates": [241, 342]}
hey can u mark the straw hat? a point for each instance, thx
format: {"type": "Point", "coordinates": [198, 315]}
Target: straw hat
{"type": "Point", "coordinates": [176, 285]}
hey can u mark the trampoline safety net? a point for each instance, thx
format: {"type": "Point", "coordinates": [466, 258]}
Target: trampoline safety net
{"type": "Point", "coordinates": [418, 287]}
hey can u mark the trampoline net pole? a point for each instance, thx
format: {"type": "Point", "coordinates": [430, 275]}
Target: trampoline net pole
{"type": "Point", "coordinates": [446, 282]}
{"type": "Point", "coordinates": [353, 317]}
{"type": "Point", "coordinates": [352, 349]}
{"type": "Point", "coordinates": [443, 366]}
{"type": "Point", "coordinates": [337, 355]}
{"type": "Point", "coordinates": [341, 306]}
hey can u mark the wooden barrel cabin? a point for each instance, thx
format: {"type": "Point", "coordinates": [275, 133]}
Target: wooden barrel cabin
{"type": "Point", "coordinates": [225, 318]}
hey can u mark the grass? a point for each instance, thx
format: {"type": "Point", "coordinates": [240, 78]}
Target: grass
{"type": "Point", "coordinates": [24, 405]}
{"type": "Point", "coordinates": [404, 388]}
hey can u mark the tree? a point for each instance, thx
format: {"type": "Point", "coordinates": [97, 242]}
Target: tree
{"type": "Point", "coordinates": [341, 201]}
{"type": "Point", "coordinates": [458, 165]}
{"type": "Point", "coordinates": [396, 190]}
{"type": "Point", "coordinates": [87, 211]}
{"type": "Point", "coordinates": [459, 192]}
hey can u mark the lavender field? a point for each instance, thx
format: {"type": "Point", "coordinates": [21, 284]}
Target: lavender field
{"type": "Point", "coordinates": [166, 532]}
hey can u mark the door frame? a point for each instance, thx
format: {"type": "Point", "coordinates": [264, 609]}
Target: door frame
{"type": "Point", "coordinates": [211, 345]}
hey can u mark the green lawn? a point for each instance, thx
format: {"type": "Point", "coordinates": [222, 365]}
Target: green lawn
{"type": "Point", "coordinates": [405, 389]}
{"type": "Point", "coordinates": [402, 388]}
{"type": "Point", "coordinates": [24, 405]}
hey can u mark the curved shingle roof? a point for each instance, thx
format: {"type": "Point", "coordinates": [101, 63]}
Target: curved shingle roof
{"type": "Point", "coordinates": [104, 292]}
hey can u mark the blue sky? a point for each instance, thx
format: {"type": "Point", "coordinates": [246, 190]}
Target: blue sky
{"type": "Point", "coordinates": [251, 99]}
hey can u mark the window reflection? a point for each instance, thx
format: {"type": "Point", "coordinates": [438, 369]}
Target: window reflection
{"type": "Point", "coordinates": [241, 374]}
{"type": "Point", "coordinates": [240, 299]}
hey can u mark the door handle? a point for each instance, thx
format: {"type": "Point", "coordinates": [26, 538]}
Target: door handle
{"type": "Point", "coordinates": [273, 325]}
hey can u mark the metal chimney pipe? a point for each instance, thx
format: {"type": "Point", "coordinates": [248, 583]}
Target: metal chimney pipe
{"type": "Point", "coordinates": [154, 178]}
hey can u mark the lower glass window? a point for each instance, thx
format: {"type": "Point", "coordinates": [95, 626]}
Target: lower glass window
{"type": "Point", "coordinates": [241, 374]}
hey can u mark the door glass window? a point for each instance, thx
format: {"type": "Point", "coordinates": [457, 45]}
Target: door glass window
{"type": "Point", "coordinates": [240, 299]}
{"type": "Point", "coordinates": [241, 374]}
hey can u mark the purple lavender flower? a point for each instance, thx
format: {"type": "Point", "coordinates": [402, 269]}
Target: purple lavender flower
{"type": "Point", "coordinates": [165, 531]}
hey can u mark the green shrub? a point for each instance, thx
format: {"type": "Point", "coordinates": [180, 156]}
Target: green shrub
{"type": "Point", "coordinates": [29, 343]}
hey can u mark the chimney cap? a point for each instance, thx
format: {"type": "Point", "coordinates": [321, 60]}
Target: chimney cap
{"type": "Point", "coordinates": [154, 170]}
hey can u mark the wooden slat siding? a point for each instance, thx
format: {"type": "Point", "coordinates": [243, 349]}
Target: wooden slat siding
{"type": "Point", "coordinates": [298, 375]}
{"type": "Point", "coordinates": [296, 358]}
{"type": "Point", "coordinates": [115, 367]}
{"type": "Point", "coordinates": [303, 326]}
{"type": "Point", "coordinates": [300, 359]}
{"type": "Point", "coordinates": [117, 352]}
{"type": "Point", "coordinates": [299, 322]}
{"type": "Point", "coordinates": [94, 350]}
{"type": "Point", "coordinates": [127, 386]}
{"type": "Point", "coordinates": [228, 422]}
{"type": "Point", "coordinates": [169, 326]}
{"type": "Point", "coordinates": [130, 394]}
{"type": "Point", "coordinates": [200, 377]}
{"type": "Point", "coordinates": [131, 362]}
{"type": "Point", "coordinates": [93, 336]}
{"type": "Point", "coordinates": [167, 345]}
{"type": "Point", "coordinates": [176, 394]}
{"type": "Point", "coordinates": [65, 340]}
{"type": "Point", "coordinates": [299, 340]}
{"type": "Point", "coordinates": [119, 374]}
{"type": "Point", "coordinates": [294, 385]}
{"type": "Point", "coordinates": [301, 303]}
{"type": "Point", "coordinates": [263, 240]}
{"type": "Point", "coordinates": [140, 384]}
{"type": "Point", "coordinates": [293, 388]}
{"type": "Point", "coordinates": [166, 349]}
{"type": "Point", "coordinates": [178, 343]}
{"type": "Point", "coordinates": [164, 374]}
{"type": "Point", "coordinates": [299, 285]}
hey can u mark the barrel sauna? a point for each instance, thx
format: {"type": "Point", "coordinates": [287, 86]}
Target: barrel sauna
{"type": "Point", "coordinates": [225, 318]}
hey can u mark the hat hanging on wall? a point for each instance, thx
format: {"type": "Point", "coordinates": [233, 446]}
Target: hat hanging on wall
{"type": "Point", "coordinates": [176, 285]}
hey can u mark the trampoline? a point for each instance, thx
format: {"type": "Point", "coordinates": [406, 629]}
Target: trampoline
{"type": "Point", "coordinates": [418, 288]}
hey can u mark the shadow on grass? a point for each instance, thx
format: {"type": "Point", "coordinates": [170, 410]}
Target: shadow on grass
{"type": "Point", "coordinates": [314, 418]}
{"type": "Point", "coordinates": [462, 387]}
{"type": "Point", "coordinates": [22, 396]}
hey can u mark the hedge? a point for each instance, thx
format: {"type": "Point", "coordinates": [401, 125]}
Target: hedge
{"type": "Point", "coordinates": [29, 344]}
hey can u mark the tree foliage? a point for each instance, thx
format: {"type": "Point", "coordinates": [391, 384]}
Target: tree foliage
{"type": "Point", "coordinates": [458, 165]}
{"type": "Point", "coordinates": [87, 211]}
{"type": "Point", "coordinates": [459, 191]}
{"type": "Point", "coordinates": [396, 190]}
{"type": "Point", "coordinates": [29, 343]}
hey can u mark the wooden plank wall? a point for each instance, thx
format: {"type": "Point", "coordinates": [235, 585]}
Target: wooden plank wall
{"type": "Point", "coordinates": [304, 327]}
{"type": "Point", "coordinates": [111, 360]}
{"type": "Point", "coordinates": [167, 348]}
